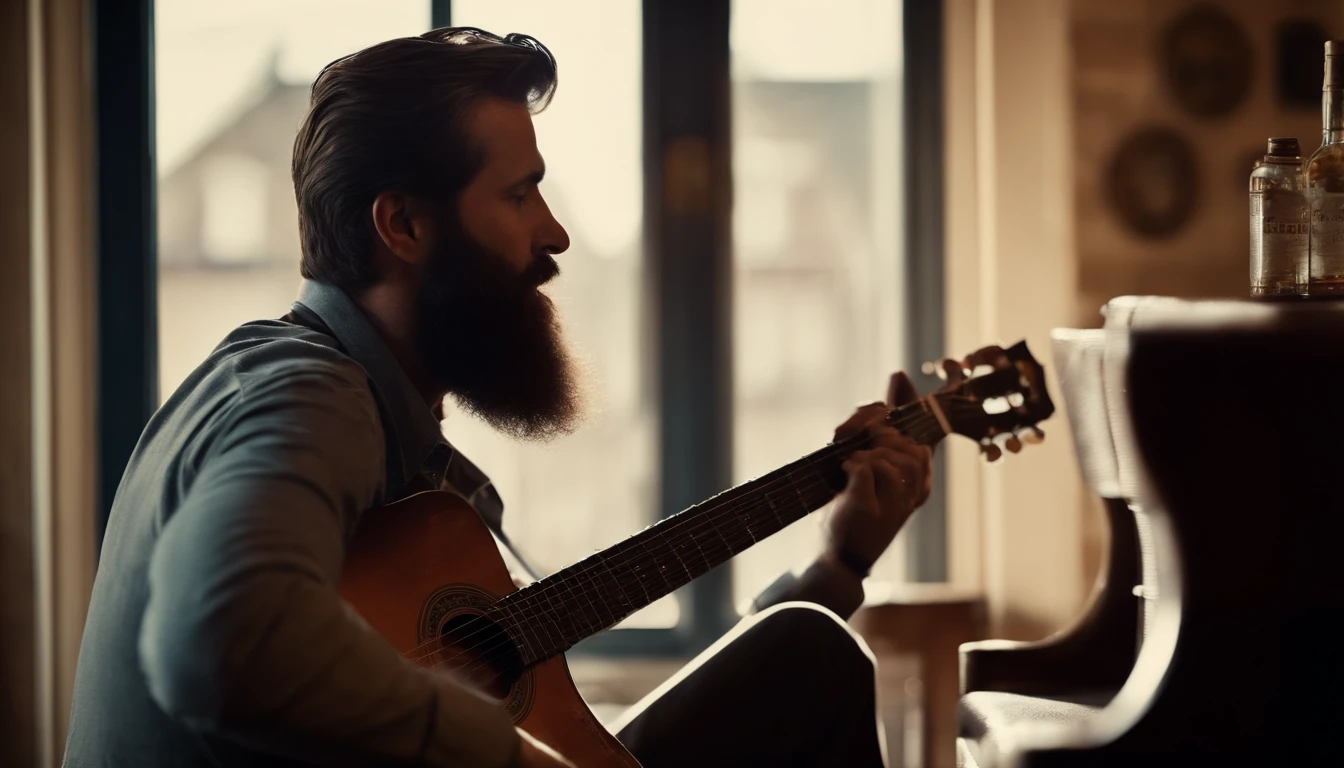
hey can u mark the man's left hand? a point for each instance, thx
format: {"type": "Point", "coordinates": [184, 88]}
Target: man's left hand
{"type": "Point", "coordinates": [887, 481]}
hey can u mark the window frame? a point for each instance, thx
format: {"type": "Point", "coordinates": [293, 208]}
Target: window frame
{"type": "Point", "coordinates": [922, 86]}
{"type": "Point", "coordinates": [127, 242]}
{"type": "Point", "coordinates": [687, 119]}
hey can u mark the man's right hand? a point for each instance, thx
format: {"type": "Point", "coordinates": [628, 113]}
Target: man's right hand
{"type": "Point", "coordinates": [534, 754]}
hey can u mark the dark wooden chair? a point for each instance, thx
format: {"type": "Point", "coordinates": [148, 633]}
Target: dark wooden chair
{"type": "Point", "coordinates": [1226, 409]}
{"type": "Point", "coordinates": [1072, 675]}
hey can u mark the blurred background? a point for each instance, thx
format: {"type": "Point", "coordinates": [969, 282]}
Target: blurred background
{"type": "Point", "coordinates": [773, 205]}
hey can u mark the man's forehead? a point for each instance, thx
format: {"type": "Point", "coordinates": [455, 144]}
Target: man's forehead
{"type": "Point", "coordinates": [504, 130]}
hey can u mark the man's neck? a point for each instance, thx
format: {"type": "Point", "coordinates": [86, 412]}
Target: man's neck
{"type": "Point", "coordinates": [391, 312]}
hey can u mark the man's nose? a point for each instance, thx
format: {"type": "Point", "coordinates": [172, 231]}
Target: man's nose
{"type": "Point", "coordinates": [553, 239]}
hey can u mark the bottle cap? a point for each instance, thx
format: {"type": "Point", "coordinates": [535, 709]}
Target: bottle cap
{"type": "Point", "coordinates": [1334, 64]}
{"type": "Point", "coordinates": [1287, 147]}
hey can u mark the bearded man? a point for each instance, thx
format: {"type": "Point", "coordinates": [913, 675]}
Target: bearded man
{"type": "Point", "coordinates": [216, 635]}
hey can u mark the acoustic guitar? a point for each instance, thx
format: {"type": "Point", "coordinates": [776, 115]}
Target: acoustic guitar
{"type": "Point", "coordinates": [426, 573]}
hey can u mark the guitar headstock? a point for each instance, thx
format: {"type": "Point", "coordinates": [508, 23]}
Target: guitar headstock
{"type": "Point", "coordinates": [996, 397]}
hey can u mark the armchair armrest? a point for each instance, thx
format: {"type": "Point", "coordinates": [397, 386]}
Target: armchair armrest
{"type": "Point", "coordinates": [1097, 652]}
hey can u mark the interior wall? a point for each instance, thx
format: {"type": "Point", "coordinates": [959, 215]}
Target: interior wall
{"type": "Point", "coordinates": [1015, 525]}
{"type": "Point", "coordinates": [1117, 87]}
{"type": "Point", "coordinates": [1040, 94]}
{"type": "Point", "coordinates": [68, 557]}
{"type": "Point", "coordinates": [17, 683]}
{"type": "Point", "coordinates": [56, 502]}
{"type": "Point", "coordinates": [961, 279]}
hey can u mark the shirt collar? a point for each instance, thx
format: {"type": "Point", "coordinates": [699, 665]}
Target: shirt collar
{"type": "Point", "coordinates": [417, 430]}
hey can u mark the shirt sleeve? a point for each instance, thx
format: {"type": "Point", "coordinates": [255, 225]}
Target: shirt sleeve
{"type": "Point", "coordinates": [824, 583]}
{"type": "Point", "coordinates": [245, 636]}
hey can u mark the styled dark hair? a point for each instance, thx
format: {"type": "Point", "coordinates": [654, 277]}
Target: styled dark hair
{"type": "Point", "coordinates": [393, 116]}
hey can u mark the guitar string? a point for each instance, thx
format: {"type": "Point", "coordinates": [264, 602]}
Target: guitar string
{"type": "Point", "coordinates": [505, 646]}
{"type": "Point", "coordinates": [732, 505]}
{"type": "Point", "coordinates": [746, 499]}
{"type": "Point", "coordinates": [433, 645]}
{"type": "Point", "coordinates": [619, 561]}
{"type": "Point", "coordinates": [487, 659]}
{"type": "Point", "coordinates": [611, 591]}
{"type": "Point", "coordinates": [731, 541]}
{"type": "Point", "coordinates": [490, 655]}
{"type": "Point", "coordinates": [744, 493]}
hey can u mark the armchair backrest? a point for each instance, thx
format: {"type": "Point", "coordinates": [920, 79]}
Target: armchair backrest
{"type": "Point", "coordinates": [1078, 358]}
{"type": "Point", "coordinates": [1121, 313]}
{"type": "Point", "coordinates": [1230, 411]}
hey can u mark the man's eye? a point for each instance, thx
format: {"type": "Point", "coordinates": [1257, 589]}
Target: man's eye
{"type": "Point", "coordinates": [518, 199]}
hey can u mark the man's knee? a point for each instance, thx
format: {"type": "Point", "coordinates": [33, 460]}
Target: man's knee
{"type": "Point", "coordinates": [811, 633]}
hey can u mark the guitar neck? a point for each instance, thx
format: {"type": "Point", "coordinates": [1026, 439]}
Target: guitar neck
{"type": "Point", "coordinates": [602, 589]}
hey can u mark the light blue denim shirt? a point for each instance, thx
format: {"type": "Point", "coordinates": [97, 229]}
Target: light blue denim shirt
{"type": "Point", "coordinates": [215, 635]}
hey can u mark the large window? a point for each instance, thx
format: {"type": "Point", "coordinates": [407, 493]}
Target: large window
{"type": "Point", "coordinates": [229, 248]}
{"type": "Point", "coordinates": [816, 220]}
{"type": "Point", "coordinates": [573, 497]}
{"type": "Point", "coordinates": [817, 261]}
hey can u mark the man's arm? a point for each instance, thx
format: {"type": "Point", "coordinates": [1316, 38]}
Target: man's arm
{"type": "Point", "coordinates": [244, 634]}
{"type": "Point", "coordinates": [886, 483]}
{"type": "Point", "coordinates": [832, 585]}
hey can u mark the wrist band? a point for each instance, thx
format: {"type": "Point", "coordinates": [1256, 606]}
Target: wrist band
{"type": "Point", "coordinates": [854, 564]}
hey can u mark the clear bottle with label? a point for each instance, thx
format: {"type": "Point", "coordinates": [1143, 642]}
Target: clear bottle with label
{"type": "Point", "coordinates": [1324, 180]}
{"type": "Point", "coordinates": [1280, 223]}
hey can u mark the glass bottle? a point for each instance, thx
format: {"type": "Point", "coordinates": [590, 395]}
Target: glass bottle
{"type": "Point", "coordinates": [1324, 180]}
{"type": "Point", "coordinates": [1280, 223]}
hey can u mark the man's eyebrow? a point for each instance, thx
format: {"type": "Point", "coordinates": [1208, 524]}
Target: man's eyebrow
{"type": "Point", "coordinates": [532, 179]}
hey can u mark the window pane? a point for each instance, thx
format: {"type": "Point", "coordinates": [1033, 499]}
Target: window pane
{"type": "Point", "coordinates": [231, 86]}
{"type": "Point", "coordinates": [233, 82]}
{"type": "Point", "coordinates": [587, 491]}
{"type": "Point", "coordinates": [817, 262]}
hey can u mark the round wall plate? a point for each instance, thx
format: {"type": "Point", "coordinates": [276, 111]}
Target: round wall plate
{"type": "Point", "coordinates": [1152, 182]}
{"type": "Point", "coordinates": [1206, 60]}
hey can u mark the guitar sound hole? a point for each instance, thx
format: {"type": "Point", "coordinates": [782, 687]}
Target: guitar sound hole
{"type": "Point", "coordinates": [478, 652]}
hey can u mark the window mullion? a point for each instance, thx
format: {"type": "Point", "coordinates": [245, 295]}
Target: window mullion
{"type": "Point", "coordinates": [687, 159]}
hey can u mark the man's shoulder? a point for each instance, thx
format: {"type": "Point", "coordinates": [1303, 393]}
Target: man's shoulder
{"type": "Point", "coordinates": [266, 378]}
{"type": "Point", "coordinates": [270, 349]}
{"type": "Point", "coordinates": [271, 356]}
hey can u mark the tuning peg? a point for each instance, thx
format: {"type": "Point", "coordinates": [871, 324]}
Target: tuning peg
{"type": "Point", "coordinates": [991, 451]}
{"type": "Point", "coordinates": [1013, 444]}
{"type": "Point", "coordinates": [948, 370]}
{"type": "Point", "coordinates": [1032, 435]}
{"type": "Point", "coordinates": [994, 356]}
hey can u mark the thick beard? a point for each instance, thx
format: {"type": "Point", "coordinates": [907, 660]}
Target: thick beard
{"type": "Point", "coordinates": [493, 341]}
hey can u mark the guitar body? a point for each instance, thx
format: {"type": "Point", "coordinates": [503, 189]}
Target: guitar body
{"type": "Point", "coordinates": [427, 564]}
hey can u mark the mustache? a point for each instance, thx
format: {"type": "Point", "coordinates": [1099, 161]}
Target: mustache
{"type": "Point", "coordinates": [542, 270]}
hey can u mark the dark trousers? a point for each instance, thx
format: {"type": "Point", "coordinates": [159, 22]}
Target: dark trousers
{"type": "Point", "coordinates": [790, 686]}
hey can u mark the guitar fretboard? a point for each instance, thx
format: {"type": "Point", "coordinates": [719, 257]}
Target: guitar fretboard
{"type": "Point", "coordinates": [548, 617]}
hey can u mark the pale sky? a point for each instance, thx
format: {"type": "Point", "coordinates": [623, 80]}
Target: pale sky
{"type": "Point", "coordinates": [210, 55]}
{"type": "Point", "coordinates": [211, 58]}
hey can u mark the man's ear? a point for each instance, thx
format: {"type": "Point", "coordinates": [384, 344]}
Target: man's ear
{"type": "Point", "coordinates": [401, 230]}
